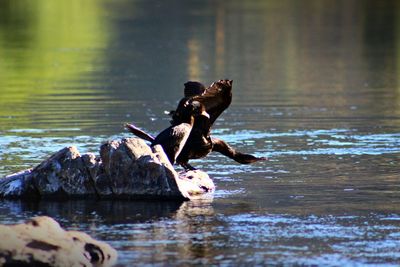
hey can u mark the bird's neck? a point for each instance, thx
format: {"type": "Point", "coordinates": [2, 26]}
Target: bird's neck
{"type": "Point", "coordinates": [188, 120]}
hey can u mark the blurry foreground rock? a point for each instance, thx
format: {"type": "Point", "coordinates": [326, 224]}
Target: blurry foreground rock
{"type": "Point", "coordinates": [126, 169]}
{"type": "Point", "coordinates": [42, 242]}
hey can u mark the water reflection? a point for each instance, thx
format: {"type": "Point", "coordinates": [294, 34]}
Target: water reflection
{"type": "Point", "coordinates": [315, 89]}
{"type": "Point", "coordinates": [99, 213]}
{"type": "Point", "coordinates": [196, 233]}
{"type": "Point", "coordinates": [168, 228]}
{"type": "Point", "coordinates": [46, 47]}
{"type": "Point", "coordinates": [310, 234]}
{"type": "Point", "coordinates": [285, 55]}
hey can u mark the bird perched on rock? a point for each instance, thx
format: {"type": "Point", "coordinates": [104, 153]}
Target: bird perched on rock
{"type": "Point", "coordinates": [214, 100]}
{"type": "Point", "coordinates": [173, 138]}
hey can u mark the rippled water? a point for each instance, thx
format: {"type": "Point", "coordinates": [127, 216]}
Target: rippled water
{"type": "Point", "coordinates": [315, 90]}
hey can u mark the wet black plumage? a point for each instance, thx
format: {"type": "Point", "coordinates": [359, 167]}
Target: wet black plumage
{"type": "Point", "coordinates": [199, 143]}
{"type": "Point", "coordinates": [215, 99]}
{"type": "Point", "coordinates": [173, 138]}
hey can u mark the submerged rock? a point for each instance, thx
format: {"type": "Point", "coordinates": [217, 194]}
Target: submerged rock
{"type": "Point", "coordinates": [126, 169]}
{"type": "Point", "coordinates": [42, 242]}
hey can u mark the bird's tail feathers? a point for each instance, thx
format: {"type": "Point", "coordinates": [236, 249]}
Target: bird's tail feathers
{"type": "Point", "coordinates": [139, 132]}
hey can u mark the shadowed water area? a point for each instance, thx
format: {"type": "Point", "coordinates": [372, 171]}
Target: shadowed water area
{"type": "Point", "coordinates": [316, 90]}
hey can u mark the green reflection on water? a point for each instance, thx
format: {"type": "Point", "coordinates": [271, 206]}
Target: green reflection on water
{"type": "Point", "coordinates": [45, 45]}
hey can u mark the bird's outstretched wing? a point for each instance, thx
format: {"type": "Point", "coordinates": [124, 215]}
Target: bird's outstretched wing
{"type": "Point", "coordinates": [225, 149]}
{"type": "Point", "coordinates": [216, 98]}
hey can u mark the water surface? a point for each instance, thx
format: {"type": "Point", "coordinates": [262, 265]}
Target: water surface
{"type": "Point", "coordinates": [315, 90]}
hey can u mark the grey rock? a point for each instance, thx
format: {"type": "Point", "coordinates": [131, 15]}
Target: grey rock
{"type": "Point", "coordinates": [126, 169]}
{"type": "Point", "coordinates": [42, 242]}
{"type": "Point", "coordinates": [135, 171]}
{"type": "Point", "coordinates": [63, 174]}
{"type": "Point", "coordinates": [18, 185]}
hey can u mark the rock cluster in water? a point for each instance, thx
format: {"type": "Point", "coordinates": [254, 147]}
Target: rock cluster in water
{"type": "Point", "coordinates": [42, 242]}
{"type": "Point", "coordinates": [125, 169]}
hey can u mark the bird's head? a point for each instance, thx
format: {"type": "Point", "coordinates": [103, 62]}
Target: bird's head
{"type": "Point", "coordinates": [193, 88]}
{"type": "Point", "coordinates": [189, 110]}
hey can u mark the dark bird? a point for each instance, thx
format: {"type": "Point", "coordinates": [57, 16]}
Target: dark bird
{"type": "Point", "coordinates": [173, 138]}
{"type": "Point", "coordinates": [215, 99]}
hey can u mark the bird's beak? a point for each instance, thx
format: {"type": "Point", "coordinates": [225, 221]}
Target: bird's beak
{"type": "Point", "coordinates": [204, 113]}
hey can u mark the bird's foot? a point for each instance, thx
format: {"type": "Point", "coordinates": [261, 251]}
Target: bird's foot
{"type": "Point", "coordinates": [187, 167]}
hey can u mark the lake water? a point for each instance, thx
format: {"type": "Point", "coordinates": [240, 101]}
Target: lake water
{"type": "Point", "coordinates": [316, 90]}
